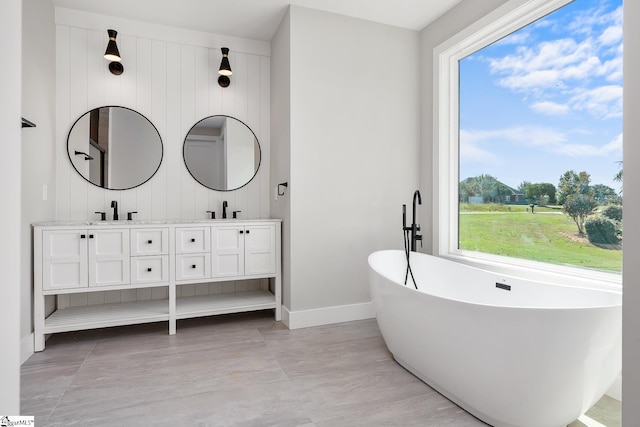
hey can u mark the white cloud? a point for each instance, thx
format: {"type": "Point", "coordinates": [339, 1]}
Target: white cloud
{"type": "Point", "coordinates": [550, 108]}
{"type": "Point", "coordinates": [548, 64]}
{"type": "Point", "coordinates": [600, 102]}
{"type": "Point", "coordinates": [611, 36]}
{"type": "Point", "coordinates": [612, 69]}
{"type": "Point", "coordinates": [569, 68]}
{"type": "Point", "coordinates": [585, 150]}
{"type": "Point", "coordinates": [473, 153]}
{"type": "Point", "coordinates": [546, 139]}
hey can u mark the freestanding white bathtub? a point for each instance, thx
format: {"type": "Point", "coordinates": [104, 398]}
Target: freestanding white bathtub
{"type": "Point", "coordinates": [537, 355]}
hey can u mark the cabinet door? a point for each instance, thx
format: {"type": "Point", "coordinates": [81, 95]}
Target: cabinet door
{"type": "Point", "coordinates": [108, 257]}
{"type": "Point", "coordinates": [64, 259]}
{"type": "Point", "coordinates": [227, 251]}
{"type": "Point", "coordinates": [260, 250]}
{"type": "Point", "coordinates": [149, 241]}
{"type": "Point", "coordinates": [192, 240]}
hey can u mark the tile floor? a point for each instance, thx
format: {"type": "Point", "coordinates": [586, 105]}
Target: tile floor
{"type": "Point", "coordinates": [235, 370]}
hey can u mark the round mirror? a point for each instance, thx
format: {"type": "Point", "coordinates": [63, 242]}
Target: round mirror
{"type": "Point", "coordinates": [114, 147]}
{"type": "Point", "coordinates": [221, 153]}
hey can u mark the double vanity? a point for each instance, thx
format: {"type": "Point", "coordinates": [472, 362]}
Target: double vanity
{"type": "Point", "coordinates": [87, 257]}
{"type": "Point", "coordinates": [95, 274]}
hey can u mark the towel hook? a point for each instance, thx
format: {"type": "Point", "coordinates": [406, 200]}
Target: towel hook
{"type": "Point", "coordinates": [284, 184]}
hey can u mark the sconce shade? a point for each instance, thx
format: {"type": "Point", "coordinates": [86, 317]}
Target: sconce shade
{"type": "Point", "coordinates": [112, 53]}
{"type": "Point", "coordinates": [225, 67]}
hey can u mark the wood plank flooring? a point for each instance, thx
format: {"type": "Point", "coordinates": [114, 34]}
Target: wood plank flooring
{"type": "Point", "coordinates": [232, 370]}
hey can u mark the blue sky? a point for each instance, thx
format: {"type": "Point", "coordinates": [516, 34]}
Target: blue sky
{"type": "Point", "coordinates": [546, 99]}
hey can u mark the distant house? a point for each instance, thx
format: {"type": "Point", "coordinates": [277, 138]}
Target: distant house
{"type": "Point", "coordinates": [516, 197]}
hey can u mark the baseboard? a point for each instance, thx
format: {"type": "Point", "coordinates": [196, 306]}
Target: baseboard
{"type": "Point", "coordinates": [327, 315]}
{"type": "Point", "coordinates": [26, 348]}
{"type": "Point", "coordinates": [286, 316]}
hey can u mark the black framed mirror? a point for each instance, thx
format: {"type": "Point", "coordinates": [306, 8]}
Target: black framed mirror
{"type": "Point", "coordinates": [114, 147]}
{"type": "Point", "coordinates": [221, 153]}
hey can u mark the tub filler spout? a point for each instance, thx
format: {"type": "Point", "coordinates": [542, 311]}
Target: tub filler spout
{"type": "Point", "coordinates": [415, 237]}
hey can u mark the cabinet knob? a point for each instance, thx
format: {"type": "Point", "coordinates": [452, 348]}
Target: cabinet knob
{"type": "Point", "coordinates": [91, 236]}
{"type": "Point", "coordinates": [193, 240]}
{"type": "Point", "coordinates": [149, 269]}
{"type": "Point", "coordinates": [248, 231]}
{"type": "Point", "coordinates": [241, 231]}
{"type": "Point", "coordinates": [83, 236]}
{"type": "Point", "coordinates": [149, 241]}
{"type": "Point", "coordinates": [193, 266]}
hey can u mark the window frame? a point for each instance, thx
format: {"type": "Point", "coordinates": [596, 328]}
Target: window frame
{"type": "Point", "coordinates": [510, 17]}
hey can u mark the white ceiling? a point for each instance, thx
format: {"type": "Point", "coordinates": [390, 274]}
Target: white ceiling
{"type": "Point", "coordinates": [259, 19]}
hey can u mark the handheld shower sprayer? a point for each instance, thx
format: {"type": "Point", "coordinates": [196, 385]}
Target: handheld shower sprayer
{"type": "Point", "coordinates": [411, 235]}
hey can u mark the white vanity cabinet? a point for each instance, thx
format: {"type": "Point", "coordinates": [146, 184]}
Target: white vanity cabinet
{"type": "Point", "coordinates": [228, 251]}
{"type": "Point", "coordinates": [80, 258]}
{"type": "Point", "coordinates": [193, 253]}
{"type": "Point", "coordinates": [149, 255]}
{"type": "Point", "coordinates": [243, 250]}
{"type": "Point", "coordinates": [83, 258]}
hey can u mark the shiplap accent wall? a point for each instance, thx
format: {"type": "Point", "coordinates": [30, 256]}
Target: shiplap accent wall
{"type": "Point", "coordinates": [170, 76]}
{"type": "Point", "coordinates": [172, 82]}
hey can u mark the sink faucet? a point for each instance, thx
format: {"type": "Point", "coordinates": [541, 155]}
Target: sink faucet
{"type": "Point", "coordinates": [415, 227]}
{"type": "Point", "coordinates": [114, 205]}
{"type": "Point", "coordinates": [224, 209]}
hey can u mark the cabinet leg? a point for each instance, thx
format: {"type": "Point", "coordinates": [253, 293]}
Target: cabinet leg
{"type": "Point", "coordinates": [278, 297]}
{"type": "Point", "coordinates": [38, 342]}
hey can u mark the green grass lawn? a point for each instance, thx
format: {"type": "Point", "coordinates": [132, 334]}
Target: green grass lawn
{"type": "Point", "coordinates": [546, 236]}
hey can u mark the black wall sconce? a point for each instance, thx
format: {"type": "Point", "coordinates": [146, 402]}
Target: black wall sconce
{"type": "Point", "coordinates": [225, 69]}
{"type": "Point", "coordinates": [113, 54]}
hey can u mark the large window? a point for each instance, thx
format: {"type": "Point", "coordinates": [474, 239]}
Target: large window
{"type": "Point", "coordinates": [530, 132]}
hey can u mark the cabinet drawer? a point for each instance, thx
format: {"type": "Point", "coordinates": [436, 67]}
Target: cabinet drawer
{"type": "Point", "coordinates": [190, 267]}
{"type": "Point", "coordinates": [192, 240]}
{"type": "Point", "coordinates": [152, 241]}
{"type": "Point", "coordinates": [150, 269]}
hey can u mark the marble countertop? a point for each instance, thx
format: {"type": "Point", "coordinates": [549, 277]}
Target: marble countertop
{"type": "Point", "coordinates": [135, 222]}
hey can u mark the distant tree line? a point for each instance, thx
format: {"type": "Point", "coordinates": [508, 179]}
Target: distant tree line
{"type": "Point", "coordinates": [579, 200]}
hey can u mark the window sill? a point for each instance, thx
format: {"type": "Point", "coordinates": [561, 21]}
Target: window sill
{"type": "Point", "coordinates": [538, 271]}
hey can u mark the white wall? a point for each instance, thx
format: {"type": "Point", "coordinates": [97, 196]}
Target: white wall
{"type": "Point", "coordinates": [631, 268]}
{"type": "Point", "coordinates": [281, 143]}
{"type": "Point", "coordinates": [170, 77]}
{"type": "Point", "coordinates": [10, 169]}
{"type": "Point", "coordinates": [353, 156]}
{"type": "Point", "coordinates": [38, 144]}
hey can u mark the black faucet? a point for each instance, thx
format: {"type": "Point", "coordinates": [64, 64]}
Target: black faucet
{"type": "Point", "coordinates": [114, 205]}
{"type": "Point", "coordinates": [224, 209]}
{"type": "Point", "coordinates": [415, 227]}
